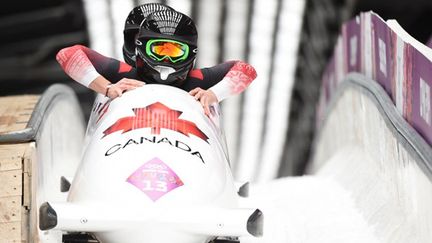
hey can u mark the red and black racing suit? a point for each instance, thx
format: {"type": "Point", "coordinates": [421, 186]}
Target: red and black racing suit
{"type": "Point", "coordinates": [84, 65]}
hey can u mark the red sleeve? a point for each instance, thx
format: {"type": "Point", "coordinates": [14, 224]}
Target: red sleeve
{"type": "Point", "coordinates": [240, 76]}
{"type": "Point", "coordinates": [235, 81]}
{"type": "Point", "coordinates": [84, 64]}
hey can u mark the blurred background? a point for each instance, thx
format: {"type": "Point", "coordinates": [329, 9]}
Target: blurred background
{"type": "Point", "coordinates": [270, 127]}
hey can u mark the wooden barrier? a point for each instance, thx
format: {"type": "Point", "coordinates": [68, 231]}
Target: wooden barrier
{"type": "Point", "coordinates": [15, 169]}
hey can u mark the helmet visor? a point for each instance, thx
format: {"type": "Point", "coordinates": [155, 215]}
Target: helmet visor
{"type": "Point", "coordinates": [163, 49]}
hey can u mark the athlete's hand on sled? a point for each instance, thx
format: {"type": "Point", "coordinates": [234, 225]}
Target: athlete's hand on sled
{"type": "Point", "coordinates": [205, 97]}
{"type": "Point", "coordinates": [125, 84]}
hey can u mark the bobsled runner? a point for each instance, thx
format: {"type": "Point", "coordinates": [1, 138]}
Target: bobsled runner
{"type": "Point", "coordinates": [154, 168]}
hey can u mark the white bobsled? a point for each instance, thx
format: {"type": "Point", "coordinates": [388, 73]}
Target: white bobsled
{"type": "Point", "coordinates": [154, 169]}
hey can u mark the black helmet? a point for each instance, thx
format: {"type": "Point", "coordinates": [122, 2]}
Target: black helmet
{"type": "Point", "coordinates": [133, 21]}
{"type": "Point", "coordinates": [166, 47]}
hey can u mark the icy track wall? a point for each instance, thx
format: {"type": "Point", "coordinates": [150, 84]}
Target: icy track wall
{"type": "Point", "coordinates": [59, 140]}
{"type": "Point", "coordinates": [375, 129]}
{"type": "Point", "coordinates": [54, 134]}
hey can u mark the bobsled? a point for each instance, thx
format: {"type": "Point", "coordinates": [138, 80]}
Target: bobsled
{"type": "Point", "coordinates": [154, 168]}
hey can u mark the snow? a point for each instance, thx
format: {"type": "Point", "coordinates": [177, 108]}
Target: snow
{"type": "Point", "coordinates": [307, 209]}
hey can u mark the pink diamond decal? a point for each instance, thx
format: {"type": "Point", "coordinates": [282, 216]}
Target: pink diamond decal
{"type": "Point", "coordinates": [155, 179]}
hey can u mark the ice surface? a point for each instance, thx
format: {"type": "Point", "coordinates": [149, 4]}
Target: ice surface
{"type": "Point", "coordinates": [307, 209]}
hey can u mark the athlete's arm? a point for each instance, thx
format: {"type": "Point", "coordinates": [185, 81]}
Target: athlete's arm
{"type": "Point", "coordinates": [229, 78]}
{"type": "Point", "coordinates": [93, 70]}
{"type": "Point", "coordinates": [235, 81]}
{"type": "Point", "coordinates": [225, 79]}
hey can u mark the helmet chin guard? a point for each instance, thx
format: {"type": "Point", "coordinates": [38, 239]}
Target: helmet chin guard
{"type": "Point", "coordinates": [164, 71]}
{"type": "Point", "coordinates": [162, 74]}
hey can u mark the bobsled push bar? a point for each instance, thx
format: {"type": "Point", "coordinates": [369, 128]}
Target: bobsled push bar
{"type": "Point", "coordinates": [207, 221]}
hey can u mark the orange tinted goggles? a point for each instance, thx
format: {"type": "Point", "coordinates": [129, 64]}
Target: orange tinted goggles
{"type": "Point", "coordinates": [161, 49]}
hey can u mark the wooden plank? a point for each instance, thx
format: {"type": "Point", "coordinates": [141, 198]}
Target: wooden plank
{"type": "Point", "coordinates": [15, 112]}
{"type": "Point", "coordinates": [29, 157]}
{"type": "Point", "coordinates": [25, 226]}
{"type": "Point", "coordinates": [10, 232]}
{"type": "Point", "coordinates": [10, 209]}
{"type": "Point", "coordinates": [11, 183]}
{"type": "Point", "coordinates": [11, 156]}
{"type": "Point", "coordinates": [29, 223]}
{"type": "Point", "coordinates": [13, 163]}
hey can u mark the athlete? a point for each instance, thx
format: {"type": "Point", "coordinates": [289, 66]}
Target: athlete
{"type": "Point", "coordinates": [165, 53]}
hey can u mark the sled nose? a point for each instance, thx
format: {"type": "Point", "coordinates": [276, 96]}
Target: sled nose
{"type": "Point", "coordinates": [196, 221]}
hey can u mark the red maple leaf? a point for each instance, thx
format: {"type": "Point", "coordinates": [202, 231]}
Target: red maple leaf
{"type": "Point", "coordinates": [156, 116]}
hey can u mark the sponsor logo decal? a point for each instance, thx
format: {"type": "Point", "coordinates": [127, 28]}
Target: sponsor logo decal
{"type": "Point", "coordinates": [156, 116]}
{"type": "Point", "coordinates": [155, 179]}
